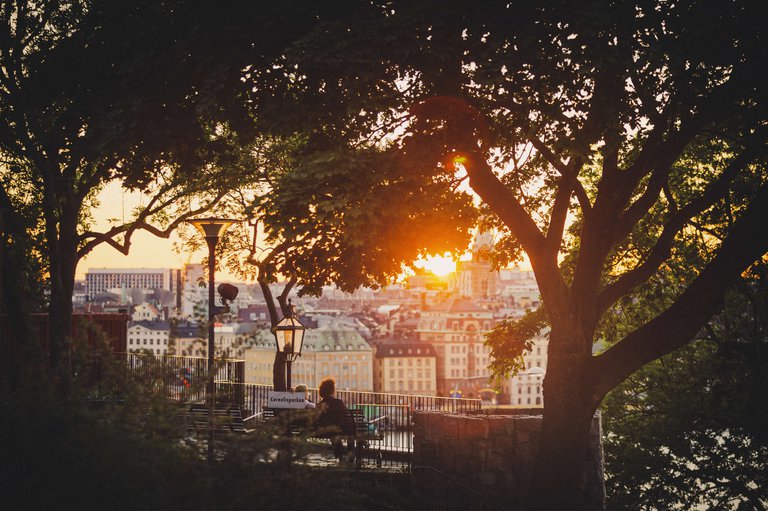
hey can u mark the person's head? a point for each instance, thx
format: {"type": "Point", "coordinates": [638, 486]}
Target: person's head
{"type": "Point", "coordinates": [301, 388]}
{"type": "Point", "coordinates": [327, 387]}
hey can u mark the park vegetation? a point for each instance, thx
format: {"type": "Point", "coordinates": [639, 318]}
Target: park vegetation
{"type": "Point", "coordinates": [599, 142]}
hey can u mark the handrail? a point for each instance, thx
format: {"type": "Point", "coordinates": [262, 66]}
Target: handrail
{"type": "Point", "coordinates": [253, 416]}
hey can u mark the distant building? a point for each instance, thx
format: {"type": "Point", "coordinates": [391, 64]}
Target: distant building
{"type": "Point", "coordinates": [456, 328]}
{"type": "Point", "coordinates": [99, 280]}
{"type": "Point", "coordinates": [189, 340]}
{"type": "Point", "coordinates": [405, 367]}
{"type": "Point", "coordinates": [476, 279]}
{"type": "Point", "coordinates": [260, 358]}
{"type": "Point", "coordinates": [338, 351]}
{"type": "Point", "coordinates": [146, 312]}
{"type": "Point", "coordinates": [194, 292]}
{"type": "Point", "coordinates": [333, 350]}
{"type": "Point", "coordinates": [254, 312]}
{"type": "Point", "coordinates": [526, 388]}
{"type": "Point", "coordinates": [147, 335]}
{"type": "Point", "coordinates": [519, 288]}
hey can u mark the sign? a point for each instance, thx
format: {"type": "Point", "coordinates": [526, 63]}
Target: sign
{"type": "Point", "coordinates": [286, 400]}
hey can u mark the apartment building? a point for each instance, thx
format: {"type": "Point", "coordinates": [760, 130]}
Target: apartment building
{"type": "Point", "coordinates": [405, 367]}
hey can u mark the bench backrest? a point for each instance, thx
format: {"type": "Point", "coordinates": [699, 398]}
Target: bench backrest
{"type": "Point", "coordinates": [349, 422]}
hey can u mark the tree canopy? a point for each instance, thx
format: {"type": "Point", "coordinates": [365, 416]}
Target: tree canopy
{"type": "Point", "coordinates": [93, 92]}
{"type": "Point", "coordinates": [580, 130]}
{"type": "Point", "coordinates": [690, 428]}
{"type": "Point", "coordinates": [597, 140]}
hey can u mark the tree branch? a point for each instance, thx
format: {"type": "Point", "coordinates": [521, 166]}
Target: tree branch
{"type": "Point", "coordinates": [140, 223]}
{"type": "Point", "coordinates": [677, 325]}
{"type": "Point", "coordinates": [548, 155]}
{"type": "Point", "coordinates": [568, 183]}
{"type": "Point", "coordinates": [485, 183]}
{"type": "Point", "coordinates": [663, 246]}
{"type": "Point", "coordinates": [659, 175]}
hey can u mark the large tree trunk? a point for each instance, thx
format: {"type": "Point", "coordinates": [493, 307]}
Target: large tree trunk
{"type": "Point", "coordinates": [63, 264]}
{"type": "Point", "coordinates": [558, 479]}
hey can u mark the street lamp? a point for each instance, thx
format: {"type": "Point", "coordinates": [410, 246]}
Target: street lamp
{"type": "Point", "coordinates": [212, 229]}
{"type": "Point", "coordinates": [289, 336]}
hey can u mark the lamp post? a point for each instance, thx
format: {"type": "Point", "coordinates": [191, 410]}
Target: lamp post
{"type": "Point", "coordinates": [212, 229]}
{"type": "Point", "coordinates": [289, 337]}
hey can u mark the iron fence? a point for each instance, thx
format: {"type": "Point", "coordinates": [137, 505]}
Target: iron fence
{"type": "Point", "coordinates": [389, 417]}
{"type": "Point", "coordinates": [389, 441]}
{"type": "Point", "coordinates": [184, 378]}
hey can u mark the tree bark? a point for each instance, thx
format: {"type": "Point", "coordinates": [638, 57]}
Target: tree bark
{"type": "Point", "coordinates": [557, 481]}
{"type": "Point", "coordinates": [62, 243]}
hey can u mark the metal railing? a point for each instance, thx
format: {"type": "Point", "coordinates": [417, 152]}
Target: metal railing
{"type": "Point", "coordinates": [184, 378]}
{"type": "Point", "coordinates": [389, 441]}
{"type": "Point", "coordinates": [389, 416]}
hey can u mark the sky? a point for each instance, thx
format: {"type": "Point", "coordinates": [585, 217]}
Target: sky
{"type": "Point", "coordinates": [149, 251]}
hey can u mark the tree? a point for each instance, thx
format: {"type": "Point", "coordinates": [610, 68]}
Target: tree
{"type": "Point", "coordinates": [324, 222]}
{"type": "Point", "coordinates": [553, 113]}
{"type": "Point", "coordinates": [689, 430]}
{"type": "Point", "coordinates": [93, 92]}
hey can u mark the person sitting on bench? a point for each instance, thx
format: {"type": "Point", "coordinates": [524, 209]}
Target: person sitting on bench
{"type": "Point", "coordinates": [302, 389]}
{"type": "Point", "coordinates": [333, 413]}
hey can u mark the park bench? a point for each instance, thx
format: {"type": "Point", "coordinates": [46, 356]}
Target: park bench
{"type": "Point", "coordinates": [342, 424]}
{"type": "Point", "coordinates": [225, 419]}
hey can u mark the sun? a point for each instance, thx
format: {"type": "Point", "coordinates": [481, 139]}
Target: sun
{"type": "Point", "coordinates": [440, 265]}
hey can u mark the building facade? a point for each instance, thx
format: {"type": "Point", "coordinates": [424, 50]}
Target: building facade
{"type": "Point", "coordinates": [152, 336]}
{"type": "Point", "coordinates": [100, 280]}
{"type": "Point", "coordinates": [476, 279]}
{"type": "Point", "coordinates": [456, 328]}
{"type": "Point", "coordinates": [405, 367]}
{"type": "Point", "coordinates": [526, 388]}
{"type": "Point", "coordinates": [333, 350]}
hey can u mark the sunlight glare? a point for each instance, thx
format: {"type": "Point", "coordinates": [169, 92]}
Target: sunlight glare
{"type": "Point", "coordinates": [440, 265]}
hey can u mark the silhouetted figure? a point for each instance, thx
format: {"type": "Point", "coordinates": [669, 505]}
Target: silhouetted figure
{"type": "Point", "coordinates": [333, 413]}
{"type": "Point", "coordinates": [303, 389]}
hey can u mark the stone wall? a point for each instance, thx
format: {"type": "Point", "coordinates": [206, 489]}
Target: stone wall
{"type": "Point", "coordinates": [483, 461]}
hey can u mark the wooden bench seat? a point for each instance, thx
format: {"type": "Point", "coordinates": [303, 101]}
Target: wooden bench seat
{"type": "Point", "coordinates": [332, 424]}
{"type": "Point", "coordinates": [225, 419]}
